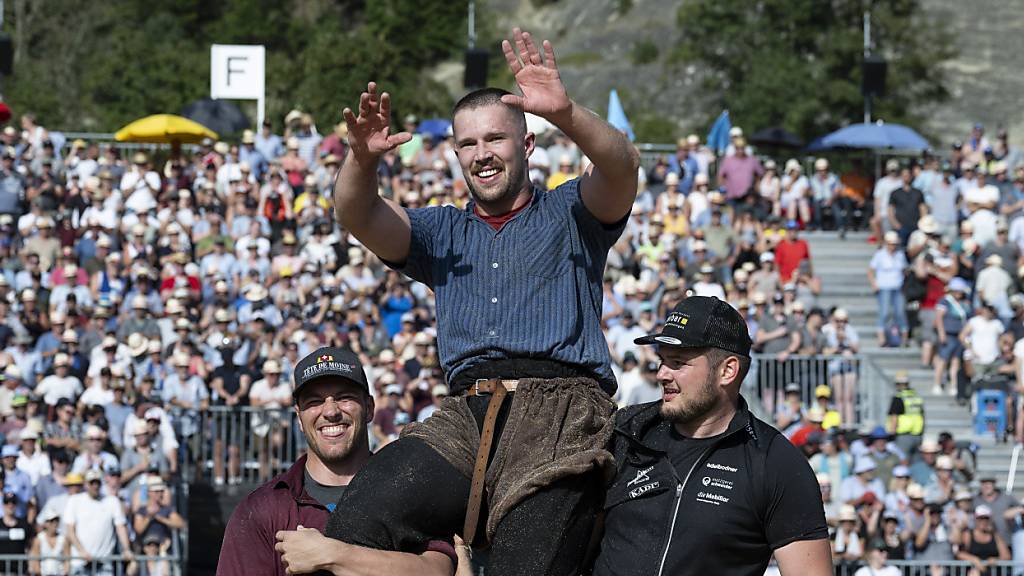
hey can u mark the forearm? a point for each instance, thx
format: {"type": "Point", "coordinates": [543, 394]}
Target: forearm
{"type": "Point", "coordinates": [381, 225]}
{"type": "Point", "coordinates": [609, 150]}
{"type": "Point", "coordinates": [343, 559]}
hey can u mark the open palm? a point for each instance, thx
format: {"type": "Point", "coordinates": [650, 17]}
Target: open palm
{"type": "Point", "coordinates": [369, 133]}
{"type": "Point", "coordinates": [537, 77]}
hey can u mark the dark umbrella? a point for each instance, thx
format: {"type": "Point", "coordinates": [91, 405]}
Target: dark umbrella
{"type": "Point", "coordinates": [776, 137]}
{"type": "Point", "coordinates": [221, 116]}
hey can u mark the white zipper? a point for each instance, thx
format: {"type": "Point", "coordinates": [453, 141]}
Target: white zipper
{"type": "Point", "coordinates": [675, 513]}
{"type": "Point", "coordinates": [671, 528]}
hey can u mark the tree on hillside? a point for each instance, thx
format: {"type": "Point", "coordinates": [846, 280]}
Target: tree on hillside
{"type": "Point", "coordinates": [797, 63]}
{"type": "Point", "coordinates": [122, 59]}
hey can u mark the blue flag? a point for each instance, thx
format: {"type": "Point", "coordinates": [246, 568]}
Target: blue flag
{"type": "Point", "coordinates": [617, 116]}
{"type": "Point", "coordinates": [718, 137]}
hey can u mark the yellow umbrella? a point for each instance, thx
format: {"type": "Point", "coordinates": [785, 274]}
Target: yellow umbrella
{"type": "Point", "coordinates": [164, 129]}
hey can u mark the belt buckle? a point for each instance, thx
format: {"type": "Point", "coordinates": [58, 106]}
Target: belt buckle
{"type": "Point", "coordinates": [476, 386]}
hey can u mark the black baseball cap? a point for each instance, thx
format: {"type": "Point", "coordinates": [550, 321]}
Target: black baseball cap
{"type": "Point", "coordinates": [701, 322]}
{"type": "Point", "coordinates": [329, 362]}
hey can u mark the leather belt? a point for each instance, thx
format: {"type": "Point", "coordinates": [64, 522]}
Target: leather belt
{"type": "Point", "coordinates": [498, 390]}
{"type": "Point", "coordinates": [488, 386]}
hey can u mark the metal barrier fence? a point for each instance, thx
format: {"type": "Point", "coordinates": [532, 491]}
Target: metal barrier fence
{"type": "Point", "coordinates": [253, 445]}
{"type": "Point", "coordinates": [21, 564]}
{"type": "Point", "coordinates": [241, 443]}
{"type": "Point", "coordinates": [860, 390]}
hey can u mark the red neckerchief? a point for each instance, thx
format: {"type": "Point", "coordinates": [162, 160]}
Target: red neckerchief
{"type": "Point", "coordinates": [497, 222]}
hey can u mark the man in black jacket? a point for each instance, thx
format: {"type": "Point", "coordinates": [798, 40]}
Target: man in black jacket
{"type": "Point", "coordinates": [702, 486]}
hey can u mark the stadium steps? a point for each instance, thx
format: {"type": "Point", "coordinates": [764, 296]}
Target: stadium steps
{"type": "Point", "coordinates": [842, 266]}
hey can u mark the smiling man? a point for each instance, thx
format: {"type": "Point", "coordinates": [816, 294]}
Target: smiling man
{"type": "Point", "coordinates": [517, 281]}
{"type": "Point", "coordinates": [333, 404]}
{"type": "Point", "coordinates": [702, 486]}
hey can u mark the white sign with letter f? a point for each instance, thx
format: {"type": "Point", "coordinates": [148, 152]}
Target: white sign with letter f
{"type": "Point", "coordinates": [238, 72]}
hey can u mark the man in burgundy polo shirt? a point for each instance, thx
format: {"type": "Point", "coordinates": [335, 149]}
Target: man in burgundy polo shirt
{"type": "Point", "coordinates": [333, 403]}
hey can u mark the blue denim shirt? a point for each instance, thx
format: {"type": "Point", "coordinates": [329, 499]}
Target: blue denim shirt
{"type": "Point", "coordinates": [530, 290]}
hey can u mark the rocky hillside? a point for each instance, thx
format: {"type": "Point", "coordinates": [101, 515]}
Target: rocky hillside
{"type": "Point", "coordinates": [601, 48]}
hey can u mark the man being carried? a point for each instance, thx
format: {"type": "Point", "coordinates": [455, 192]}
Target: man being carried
{"type": "Point", "coordinates": [517, 278]}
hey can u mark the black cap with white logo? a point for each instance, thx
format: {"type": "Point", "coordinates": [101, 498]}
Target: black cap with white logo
{"type": "Point", "coordinates": [700, 322]}
{"type": "Point", "coordinates": [329, 363]}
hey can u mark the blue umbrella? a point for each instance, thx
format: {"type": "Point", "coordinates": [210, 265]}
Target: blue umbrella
{"type": "Point", "coordinates": [436, 127]}
{"type": "Point", "coordinates": [617, 116]}
{"type": "Point", "coordinates": [718, 138]}
{"type": "Point", "coordinates": [878, 136]}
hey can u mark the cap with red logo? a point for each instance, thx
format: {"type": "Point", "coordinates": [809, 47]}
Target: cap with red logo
{"type": "Point", "coordinates": [329, 363]}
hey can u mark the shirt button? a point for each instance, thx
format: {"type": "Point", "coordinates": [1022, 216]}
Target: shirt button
{"type": "Point", "coordinates": [494, 300]}
{"type": "Point", "coordinates": [494, 264]}
{"type": "Point", "coordinates": [491, 333]}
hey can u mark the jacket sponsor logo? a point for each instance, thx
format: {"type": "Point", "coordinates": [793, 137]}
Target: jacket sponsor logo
{"type": "Point", "coordinates": [712, 498]}
{"type": "Point", "coordinates": [643, 489]}
{"type": "Point", "coordinates": [722, 467]}
{"type": "Point", "coordinates": [641, 476]}
{"type": "Point", "coordinates": [716, 483]}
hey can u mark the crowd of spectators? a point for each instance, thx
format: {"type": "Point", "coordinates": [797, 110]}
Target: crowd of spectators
{"type": "Point", "coordinates": [139, 296]}
{"type": "Point", "coordinates": [949, 273]}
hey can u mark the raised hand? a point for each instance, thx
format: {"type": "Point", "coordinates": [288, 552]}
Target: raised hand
{"type": "Point", "coordinates": [369, 133]}
{"type": "Point", "coordinates": [537, 77]}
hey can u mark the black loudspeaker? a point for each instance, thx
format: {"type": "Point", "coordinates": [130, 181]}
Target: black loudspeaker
{"type": "Point", "coordinates": [476, 68]}
{"type": "Point", "coordinates": [875, 69]}
{"type": "Point", "coordinates": [6, 55]}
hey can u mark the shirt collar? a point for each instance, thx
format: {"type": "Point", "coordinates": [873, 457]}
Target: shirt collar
{"type": "Point", "coordinates": [294, 482]}
{"type": "Point", "coordinates": [534, 191]}
{"type": "Point", "coordinates": [637, 425]}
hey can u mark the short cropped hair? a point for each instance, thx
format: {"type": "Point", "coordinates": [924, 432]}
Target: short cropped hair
{"type": "Point", "coordinates": [489, 97]}
{"type": "Point", "coordinates": [716, 356]}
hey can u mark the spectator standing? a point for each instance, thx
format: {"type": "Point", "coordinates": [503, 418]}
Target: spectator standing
{"type": "Point", "coordinates": [96, 525]}
{"type": "Point", "coordinates": [52, 484]}
{"type": "Point", "coordinates": [50, 546]}
{"type": "Point", "coordinates": [906, 415]}
{"type": "Point", "coordinates": [15, 535]}
{"type": "Point", "coordinates": [951, 315]}
{"type": "Point", "coordinates": [17, 482]}
{"type": "Point", "coordinates": [1004, 507]}
{"type": "Point", "coordinates": [791, 253]}
{"type": "Point", "coordinates": [886, 273]}
{"type": "Point", "coordinates": [737, 173]}
{"type": "Point", "coordinates": [906, 206]}
{"type": "Point", "coordinates": [842, 340]}
{"type": "Point", "coordinates": [882, 193]}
